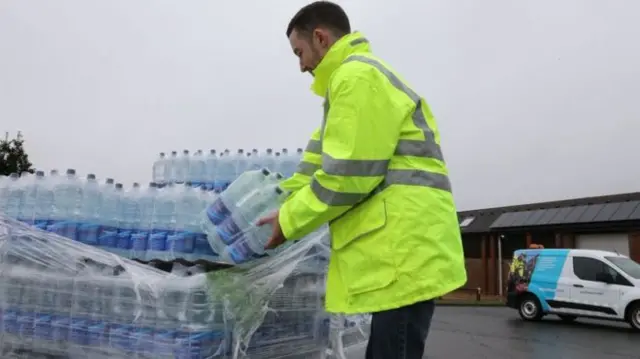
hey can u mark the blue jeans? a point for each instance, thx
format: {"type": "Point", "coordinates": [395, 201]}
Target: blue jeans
{"type": "Point", "coordinates": [400, 333]}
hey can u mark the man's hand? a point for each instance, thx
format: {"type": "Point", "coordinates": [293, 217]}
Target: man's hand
{"type": "Point", "coordinates": [277, 237]}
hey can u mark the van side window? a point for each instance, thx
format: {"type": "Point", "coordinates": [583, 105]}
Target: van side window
{"type": "Point", "coordinates": [587, 268]}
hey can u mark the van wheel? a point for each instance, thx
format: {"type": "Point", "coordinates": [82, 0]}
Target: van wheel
{"type": "Point", "coordinates": [530, 308]}
{"type": "Point", "coordinates": [567, 318]}
{"type": "Point", "coordinates": [633, 316]}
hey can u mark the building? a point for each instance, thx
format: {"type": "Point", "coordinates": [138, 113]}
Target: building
{"type": "Point", "coordinates": [491, 235]}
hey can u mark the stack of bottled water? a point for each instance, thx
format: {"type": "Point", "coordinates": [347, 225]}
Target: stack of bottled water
{"type": "Point", "coordinates": [216, 170]}
{"type": "Point", "coordinates": [230, 221]}
{"type": "Point", "coordinates": [65, 299]}
{"type": "Point", "coordinates": [152, 223]}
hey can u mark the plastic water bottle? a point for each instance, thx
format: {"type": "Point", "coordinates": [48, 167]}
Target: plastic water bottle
{"type": "Point", "coordinates": [269, 161]}
{"type": "Point", "coordinates": [172, 168]}
{"type": "Point", "coordinates": [110, 212]}
{"type": "Point", "coordinates": [89, 229]}
{"type": "Point", "coordinates": [244, 239]}
{"type": "Point", "coordinates": [181, 243]}
{"type": "Point", "coordinates": [14, 196]}
{"type": "Point", "coordinates": [228, 203]}
{"type": "Point", "coordinates": [68, 202]}
{"type": "Point", "coordinates": [241, 163]}
{"type": "Point", "coordinates": [211, 164]}
{"type": "Point", "coordinates": [164, 223]}
{"type": "Point", "coordinates": [288, 163]}
{"type": "Point", "coordinates": [160, 168]}
{"type": "Point", "coordinates": [226, 171]}
{"type": "Point", "coordinates": [44, 201]}
{"type": "Point", "coordinates": [197, 169]}
{"type": "Point", "coordinates": [182, 167]}
{"type": "Point", "coordinates": [31, 186]}
{"type": "Point", "coordinates": [140, 238]}
{"type": "Point", "coordinates": [130, 219]}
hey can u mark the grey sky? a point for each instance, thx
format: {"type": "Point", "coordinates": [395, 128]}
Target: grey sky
{"type": "Point", "coordinates": [536, 100]}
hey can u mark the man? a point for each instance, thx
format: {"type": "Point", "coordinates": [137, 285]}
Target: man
{"type": "Point", "coordinates": [375, 172]}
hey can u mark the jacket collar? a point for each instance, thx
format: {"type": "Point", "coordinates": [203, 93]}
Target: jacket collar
{"type": "Point", "coordinates": [339, 51]}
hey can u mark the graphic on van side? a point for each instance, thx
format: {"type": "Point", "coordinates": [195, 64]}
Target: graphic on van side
{"type": "Point", "coordinates": [537, 273]}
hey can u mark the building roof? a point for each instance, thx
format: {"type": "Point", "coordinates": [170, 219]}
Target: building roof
{"type": "Point", "coordinates": [571, 212]}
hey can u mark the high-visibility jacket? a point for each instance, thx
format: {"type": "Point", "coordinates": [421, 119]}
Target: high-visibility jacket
{"type": "Point", "coordinates": [374, 170]}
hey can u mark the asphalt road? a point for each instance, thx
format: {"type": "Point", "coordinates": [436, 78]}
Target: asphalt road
{"type": "Point", "coordinates": [496, 333]}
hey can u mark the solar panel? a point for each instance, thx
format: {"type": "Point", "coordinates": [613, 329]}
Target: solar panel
{"type": "Point", "coordinates": [606, 213]}
{"type": "Point", "coordinates": [547, 216]}
{"type": "Point", "coordinates": [503, 220]}
{"type": "Point", "coordinates": [635, 215]}
{"type": "Point", "coordinates": [520, 218]}
{"type": "Point", "coordinates": [534, 217]}
{"type": "Point", "coordinates": [561, 215]}
{"type": "Point", "coordinates": [591, 213]}
{"type": "Point", "coordinates": [624, 211]}
{"type": "Point", "coordinates": [573, 216]}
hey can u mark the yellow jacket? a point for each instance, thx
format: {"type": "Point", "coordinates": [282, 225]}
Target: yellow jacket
{"type": "Point", "coordinates": [374, 170]}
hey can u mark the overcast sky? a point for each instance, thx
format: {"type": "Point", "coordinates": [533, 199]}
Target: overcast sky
{"type": "Point", "coordinates": [536, 100]}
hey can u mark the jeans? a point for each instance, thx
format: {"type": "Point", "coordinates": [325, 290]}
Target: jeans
{"type": "Point", "coordinates": [400, 333]}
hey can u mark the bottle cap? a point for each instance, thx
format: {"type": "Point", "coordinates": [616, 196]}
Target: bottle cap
{"type": "Point", "coordinates": [299, 150]}
{"type": "Point", "coordinates": [269, 150]}
{"type": "Point", "coordinates": [136, 185]}
{"type": "Point", "coordinates": [279, 176]}
{"type": "Point", "coordinates": [186, 152]}
{"type": "Point", "coordinates": [188, 183]}
{"type": "Point", "coordinates": [265, 172]}
{"type": "Point", "coordinates": [53, 172]}
{"type": "Point", "coordinates": [71, 171]}
{"type": "Point", "coordinates": [174, 153]}
{"type": "Point", "coordinates": [118, 185]}
{"type": "Point", "coordinates": [40, 173]}
{"type": "Point", "coordinates": [153, 185]}
{"type": "Point", "coordinates": [279, 190]}
{"type": "Point", "coordinates": [240, 150]}
{"type": "Point", "coordinates": [110, 181]}
{"type": "Point", "coordinates": [161, 154]}
{"type": "Point", "coordinates": [213, 152]}
{"type": "Point", "coordinates": [91, 176]}
{"type": "Point", "coordinates": [284, 150]}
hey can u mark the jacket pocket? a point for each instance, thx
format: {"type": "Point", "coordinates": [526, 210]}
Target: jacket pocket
{"type": "Point", "coordinates": [362, 248]}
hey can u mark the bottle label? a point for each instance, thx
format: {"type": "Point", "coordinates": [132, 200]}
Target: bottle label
{"type": "Point", "coordinates": [229, 232]}
{"type": "Point", "coordinates": [241, 252]}
{"type": "Point", "coordinates": [217, 212]}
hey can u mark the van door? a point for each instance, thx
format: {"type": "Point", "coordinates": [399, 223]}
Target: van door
{"type": "Point", "coordinates": [591, 296]}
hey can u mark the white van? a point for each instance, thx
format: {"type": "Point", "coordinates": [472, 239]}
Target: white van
{"type": "Point", "coordinates": [572, 283]}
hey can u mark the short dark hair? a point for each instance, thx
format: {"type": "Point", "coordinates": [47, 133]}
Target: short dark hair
{"type": "Point", "coordinates": [320, 14]}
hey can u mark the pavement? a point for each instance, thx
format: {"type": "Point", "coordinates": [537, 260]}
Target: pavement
{"type": "Point", "coordinates": [498, 332]}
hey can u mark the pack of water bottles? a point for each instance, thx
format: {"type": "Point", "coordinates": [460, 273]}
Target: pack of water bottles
{"type": "Point", "coordinates": [216, 170]}
{"type": "Point", "coordinates": [61, 298]}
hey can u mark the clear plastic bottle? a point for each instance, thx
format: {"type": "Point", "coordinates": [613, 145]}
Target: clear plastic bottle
{"type": "Point", "coordinates": [31, 186]}
{"type": "Point", "coordinates": [160, 168]}
{"type": "Point", "coordinates": [110, 213]}
{"type": "Point", "coordinates": [198, 169]}
{"type": "Point", "coordinates": [172, 170]}
{"type": "Point", "coordinates": [241, 163]}
{"type": "Point", "coordinates": [68, 203]}
{"type": "Point", "coordinates": [226, 171]}
{"type": "Point", "coordinates": [14, 196]}
{"type": "Point", "coordinates": [139, 239]}
{"type": "Point", "coordinates": [44, 201]}
{"type": "Point", "coordinates": [164, 222]}
{"type": "Point", "coordinates": [268, 161]}
{"type": "Point", "coordinates": [182, 167]}
{"type": "Point", "coordinates": [211, 164]}
{"type": "Point", "coordinates": [89, 229]}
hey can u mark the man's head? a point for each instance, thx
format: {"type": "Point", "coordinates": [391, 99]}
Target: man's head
{"type": "Point", "coordinates": [314, 29]}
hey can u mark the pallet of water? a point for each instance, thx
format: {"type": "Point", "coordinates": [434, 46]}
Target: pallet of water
{"type": "Point", "coordinates": [62, 298]}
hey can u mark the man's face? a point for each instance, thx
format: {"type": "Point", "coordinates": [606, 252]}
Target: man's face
{"type": "Point", "coordinates": [310, 48]}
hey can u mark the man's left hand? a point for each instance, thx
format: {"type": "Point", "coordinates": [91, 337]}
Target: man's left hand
{"type": "Point", "coordinates": [277, 237]}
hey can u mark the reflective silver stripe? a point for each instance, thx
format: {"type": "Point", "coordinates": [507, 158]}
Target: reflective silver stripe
{"type": "Point", "coordinates": [314, 146]}
{"type": "Point", "coordinates": [428, 148]}
{"type": "Point", "coordinates": [333, 198]}
{"type": "Point", "coordinates": [416, 178]}
{"type": "Point", "coordinates": [354, 168]}
{"type": "Point", "coordinates": [307, 168]}
{"type": "Point", "coordinates": [358, 41]}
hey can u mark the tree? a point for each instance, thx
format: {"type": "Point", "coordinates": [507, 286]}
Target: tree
{"type": "Point", "coordinates": [13, 158]}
